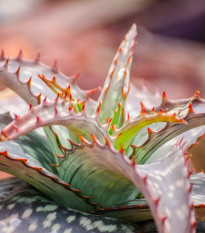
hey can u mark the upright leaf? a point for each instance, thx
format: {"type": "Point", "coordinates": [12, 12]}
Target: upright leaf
{"type": "Point", "coordinates": [116, 85]}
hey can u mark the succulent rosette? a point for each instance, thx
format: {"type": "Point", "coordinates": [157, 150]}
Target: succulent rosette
{"type": "Point", "coordinates": [99, 166]}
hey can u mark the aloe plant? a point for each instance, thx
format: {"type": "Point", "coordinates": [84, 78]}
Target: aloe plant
{"type": "Point", "coordinates": [100, 166]}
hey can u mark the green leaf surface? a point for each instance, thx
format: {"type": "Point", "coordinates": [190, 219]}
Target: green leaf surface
{"type": "Point", "coordinates": [83, 168]}
{"type": "Point", "coordinates": [141, 137]}
{"type": "Point", "coordinates": [118, 119]}
{"type": "Point", "coordinates": [35, 167]}
{"type": "Point", "coordinates": [127, 132]}
{"type": "Point", "coordinates": [131, 211]}
{"type": "Point", "coordinates": [46, 182]}
{"type": "Point", "coordinates": [53, 140]}
{"type": "Point", "coordinates": [152, 179]}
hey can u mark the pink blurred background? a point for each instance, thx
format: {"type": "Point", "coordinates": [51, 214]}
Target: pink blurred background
{"type": "Point", "coordinates": [84, 35]}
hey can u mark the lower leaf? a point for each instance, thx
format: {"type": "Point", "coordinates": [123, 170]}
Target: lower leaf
{"type": "Point", "coordinates": [29, 211]}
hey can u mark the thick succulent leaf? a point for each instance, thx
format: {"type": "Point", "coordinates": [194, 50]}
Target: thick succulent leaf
{"type": "Point", "coordinates": [132, 211]}
{"type": "Point", "coordinates": [127, 132]}
{"type": "Point", "coordinates": [145, 177]}
{"type": "Point", "coordinates": [150, 100]}
{"type": "Point", "coordinates": [53, 139]}
{"type": "Point", "coordinates": [16, 74]}
{"type": "Point", "coordinates": [33, 164]}
{"type": "Point", "coordinates": [116, 85]}
{"type": "Point", "coordinates": [32, 146]}
{"type": "Point", "coordinates": [21, 76]}
{"type": "Point", "coordinates": [57, 113]}
{"type": "Point", "coordinates": [137, 210]}
{"type": "Point", "coordinates": [29, 211]}
{"type": "Point", "coordinates": [118, 119]}
{"type": "Point", "coordinates": [65, 93]}
{"type": "Point", "coordinates": [152, 179]}
{"type": "Point", "coordinates": [105, 186]}
{"type": "Point", "coordinates": [193, 113]}
{"type": "Point", "coordinates": [141, 137]}
{"type": "Point", "coordinates": [46, 182]}
{"type": "Point", "coordinates": [187, 139]}
{"type": "Point", "coordinates": [137, 96]}
{"type": "Point", "coordinates": [11, 102]}
{"type": "Point", "coordinates": [175, 106]}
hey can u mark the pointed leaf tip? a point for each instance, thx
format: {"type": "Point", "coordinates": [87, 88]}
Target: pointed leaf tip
{"type": "Point", "coordinates": [55, 65]}
{"type": "Point", "coordinates": [164, 95]}
{"type": "Point", "coordinates": [38, 57]}
{"type": "Point", "coordinates": [6, 64]}
{"type": "Point", "coordinates": [2, 56]}
{"type": "Point", "coordinates": [90, 92]}
{"type": "Point", "coordinates": [76, 76]}
{"type": "Point", "coordinates": [133, 30]}
{"type": "Point", "coordinates": [18, 71]}
{"type": "Point", "coordinates": [20, 55]}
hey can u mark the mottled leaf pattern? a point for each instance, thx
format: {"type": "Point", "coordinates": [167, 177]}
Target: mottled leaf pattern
{"type": "Point", "coordinates": [29, 211]}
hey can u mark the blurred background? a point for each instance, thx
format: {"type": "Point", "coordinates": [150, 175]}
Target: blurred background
{"type": "Point", "coordinates": [84, 35]}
